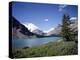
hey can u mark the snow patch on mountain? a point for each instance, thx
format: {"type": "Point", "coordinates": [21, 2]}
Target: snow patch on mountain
{"type": "Point", "coordinates": [30, 26]}
{"type": "Point", "coordinates": [49, 30]}
{"type": "Point", "coordinates": [73, 18]}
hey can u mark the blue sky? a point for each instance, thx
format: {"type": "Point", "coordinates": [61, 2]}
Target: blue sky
{"type": "Point", "coordinates": [45, 16]}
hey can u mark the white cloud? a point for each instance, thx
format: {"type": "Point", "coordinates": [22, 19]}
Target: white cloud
{"type": "Point", "coordinates": [30, 26]}
{"type": "Point", "coordinates": [46, 19]}
{"type": "Point", "coordinates": [73, 18]}
{"type": "Point", "coordinates": [61, 7]}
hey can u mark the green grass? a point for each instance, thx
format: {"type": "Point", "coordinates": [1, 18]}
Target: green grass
{"type": "Point", "coordinates": [50, 49]}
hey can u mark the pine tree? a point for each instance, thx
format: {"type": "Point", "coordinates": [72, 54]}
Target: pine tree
{"type": "Point", "coordinates": [66, 31]}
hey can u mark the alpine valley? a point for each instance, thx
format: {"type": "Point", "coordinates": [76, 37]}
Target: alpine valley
{"type": "Point", "coordinates": [29, 30]}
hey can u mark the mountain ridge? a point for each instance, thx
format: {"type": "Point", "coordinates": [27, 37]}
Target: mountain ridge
{"type": "Point", "coordinates": [24, 31]}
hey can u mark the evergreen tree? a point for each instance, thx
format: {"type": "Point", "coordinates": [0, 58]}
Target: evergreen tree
{"type": "Point", "coordinates": [66, 31]}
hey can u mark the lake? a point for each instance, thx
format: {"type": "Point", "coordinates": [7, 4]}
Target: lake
{"type": "Point", "coordinates": [20, 43]}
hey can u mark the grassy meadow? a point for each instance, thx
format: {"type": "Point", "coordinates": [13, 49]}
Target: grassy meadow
{"type": "Point", "coordinates": [49, 49]}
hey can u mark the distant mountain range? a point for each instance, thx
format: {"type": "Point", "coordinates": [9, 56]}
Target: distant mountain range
{"type": "Point", "coordinates": [33, 28]}
{"type": "Point", "coordinates": [20, 31]}
{"type": "Point", "coordinates": [57, 30]}
{"type": "Point", "coordinates": [30, 30]}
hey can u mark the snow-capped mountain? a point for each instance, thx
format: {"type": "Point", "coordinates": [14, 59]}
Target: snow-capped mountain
{"type": "Point", "coordinates": [55, 31]}
{"type": "Point", "coordinates": [49, 30]}
{"type": "Point", "coordinates": [19, 30]}
{"type": "Point", "coordinates": [37, 31]}
{"type": "Point", "coordinates": [73, 26]}
{"type": "Point", "coordinates": [33, 28]}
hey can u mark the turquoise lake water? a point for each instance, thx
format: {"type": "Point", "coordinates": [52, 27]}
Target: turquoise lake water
{"type": "Point", "coordinates": [20, 43]}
